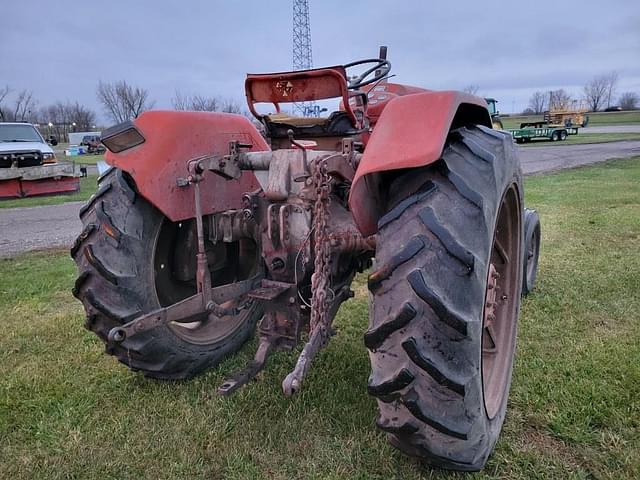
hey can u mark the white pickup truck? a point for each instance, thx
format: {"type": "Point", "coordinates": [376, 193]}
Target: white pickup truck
{"type": "Point", "coordinates": [22, 144]}
{"type": "Point", "coordinates": [28, 166]}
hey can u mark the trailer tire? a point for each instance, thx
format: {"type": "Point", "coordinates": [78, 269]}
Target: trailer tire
{"type": "Point", "coordinates": [563, 135]}
{"type": "Point", "coordinates": [440, 396]}
{"type": "Point", "coordinates": [555, 136]}
{"type": "Point", "coordinates": [122, 274]}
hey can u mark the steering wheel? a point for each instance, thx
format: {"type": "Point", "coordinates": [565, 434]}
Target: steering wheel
{"type": "Point", "coordinates": [382, 66]}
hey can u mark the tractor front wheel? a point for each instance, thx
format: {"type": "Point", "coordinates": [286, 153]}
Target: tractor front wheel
{"type": "Point", "coordinates": [531, 250]}
{"type": "Point", "coordinates": [445, 301]}
{"type": "Point", "coordinates": [132, 260]}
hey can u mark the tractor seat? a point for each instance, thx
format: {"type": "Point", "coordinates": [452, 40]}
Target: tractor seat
{"type": "Point", "coordinates": [295, 120]}
{"type": "Point", "coordinates": [306, 86]}
{"type": "Point", "coordinates": [337, 124]}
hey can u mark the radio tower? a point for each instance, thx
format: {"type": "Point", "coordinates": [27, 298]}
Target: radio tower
{"type": "Point", "coordinates": [302, 59]}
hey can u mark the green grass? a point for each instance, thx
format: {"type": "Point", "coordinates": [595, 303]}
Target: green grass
{"type": "Point", "coordinates": [583, 138]}
{"type": "Point", "coordinates": [87, 188]}
{"type": "Point", "coordinates": [81, 159]}
{"type": "Point", "coordinates": [595, 119]}
{"type": "Point", "coordinates": [87, 159]}
{"type": "Point", "coordinates": [614, 118]}
{"type": "Point", "coordinates": [69, 411]}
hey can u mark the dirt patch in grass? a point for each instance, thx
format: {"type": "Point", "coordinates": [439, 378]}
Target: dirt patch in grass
{"type": "Point", "coordinates": [544, 444]}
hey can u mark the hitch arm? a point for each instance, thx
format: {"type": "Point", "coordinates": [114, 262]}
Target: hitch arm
{"type": "Point", "coordinates": [318, 339]}
{"type": "Point", "coordinates": [191, 309]}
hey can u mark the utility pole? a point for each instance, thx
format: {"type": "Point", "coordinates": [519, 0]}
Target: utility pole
{"type": "Point", "coordinates": [302, 58]}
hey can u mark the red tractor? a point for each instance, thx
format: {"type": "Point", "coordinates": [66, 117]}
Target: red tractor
{"type": "Point", "coordinates": [206, 229]}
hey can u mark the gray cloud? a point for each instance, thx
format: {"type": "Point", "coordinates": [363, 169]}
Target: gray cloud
{"type": "Point", "coordinates": [206, 47]}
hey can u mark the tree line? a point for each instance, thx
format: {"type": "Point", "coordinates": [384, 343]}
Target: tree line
{"type": "Point", "coordinates": [119, 100]}
{"type": "Point", "coordinates": [599, 93]}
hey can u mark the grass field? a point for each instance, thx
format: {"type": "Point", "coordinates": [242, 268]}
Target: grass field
{"type": "Point", "coordinates": [88, 159]}
{"type": "Point", "coordinates": [80, 159]}
{"type": "Point", "coordinates": [595, 119]}
{"type": "Point", "coordinates": [69, 411]}
{"type": "Point", "coordinates": [583, 138]}
{"type": "Point", "coordinates": [87, 188]}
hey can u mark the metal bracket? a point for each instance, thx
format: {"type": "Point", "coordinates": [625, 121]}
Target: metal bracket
{"type": "Point", "coordinates": [228, 166]}
{"type": "Point", "coordinates": [189, 310]}
{"type": "Point", "coordinates": [242, 377]}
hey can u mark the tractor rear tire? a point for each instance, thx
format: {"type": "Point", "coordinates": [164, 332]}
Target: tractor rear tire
{"type": "Point", "coordinates": [441, 356]}
{"type": "Point", "coordinates": [126, 268]}
{"type": "Point", "coordinates": [531, 250]}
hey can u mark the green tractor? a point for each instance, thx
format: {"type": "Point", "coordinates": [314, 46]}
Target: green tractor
{"type": "Point", "coordinates": [495, 114]}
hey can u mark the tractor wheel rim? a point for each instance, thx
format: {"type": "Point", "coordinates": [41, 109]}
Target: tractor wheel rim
{"type": "Point", "coordinates": [501, 303]}
{"type": "Point", "coordinates": [531, 253]}
{"type": "Point", "coordinates": [204, 332]}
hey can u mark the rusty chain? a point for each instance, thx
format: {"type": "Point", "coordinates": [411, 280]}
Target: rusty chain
{"type": "Point", "coordinates": [321, 245]}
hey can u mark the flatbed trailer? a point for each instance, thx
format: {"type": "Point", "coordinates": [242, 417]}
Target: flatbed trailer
{"type": "Point", "coordinates": [554, 133]}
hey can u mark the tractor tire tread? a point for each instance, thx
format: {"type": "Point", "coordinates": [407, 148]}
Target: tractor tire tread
{"type": "Point", "coordinates": [432, 338]}
{"type": "Point", "coordinates": [102, 190]}
{"type": "Point", "coordinates": [427, 189]}
{"type": "Point", "coordinates": [449, 242]}
{"type": "Point", "coordinates": [114, 284]}
{"type": "Point", "coordinates": [410, 250]}
{"type": "Point", "coordinates": [374, 338]}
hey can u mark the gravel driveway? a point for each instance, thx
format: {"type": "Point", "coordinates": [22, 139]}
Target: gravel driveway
{"type": "Point", "coordinates": [36, 228]}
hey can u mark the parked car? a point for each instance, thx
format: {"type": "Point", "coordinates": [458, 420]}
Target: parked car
{"type": "Point", "coordinates": [92, 142]}
{"type": "Point", "coordinates": [613, 109]}
{"type": "Point", "coordinates": [21, 145]}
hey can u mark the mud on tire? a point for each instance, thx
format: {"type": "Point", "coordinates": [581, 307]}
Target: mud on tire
{"type": "Point", "coordinates": [117, 274]}
{"type": "Point", "coordinates": [428, 286]}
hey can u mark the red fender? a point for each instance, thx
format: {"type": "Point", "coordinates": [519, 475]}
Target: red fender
{"type": "Point", "coordinates": [410, 133]}
{"type": "Point", "coordinates": [174, 138]}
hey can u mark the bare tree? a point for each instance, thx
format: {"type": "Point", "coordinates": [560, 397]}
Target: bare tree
{"type": "Point", "coordinates": [83, 117]}
{"type": "Point", "coordinates": [4, 112]}
{"type": "Point", "coordinates": [122, 101]}
{"type": "Point", "coordinates": [629, 101]}
{"type": "Point", "coordinates": [537, 102]}
{"type": "Point", "coordinates": [197, 103]}
{"type": "Point", "coordinates": [61, 117]}
{"type": "Point", "coordinates": [472, 89]}
{"type": "Point", "coordinates": [612, 83]}
{"type": "Point", "coordinates": [201, 103]}
{"type": "Point", "coordinates": [57, 118]}
{"type": "Point", "coordinates": [231, 106]}
{"type": "Point", "coordinates": [559, 99]}
{"type": "Point", "coordinates": [595, 91]}
{"type": "Point", "coordinates": [23, 109]}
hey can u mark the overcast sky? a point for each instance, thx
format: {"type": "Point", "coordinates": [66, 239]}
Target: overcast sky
{"type": "Point", "coordinates": [60, 50]}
